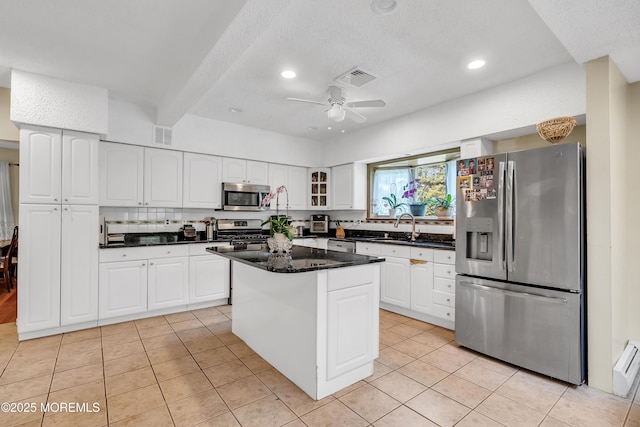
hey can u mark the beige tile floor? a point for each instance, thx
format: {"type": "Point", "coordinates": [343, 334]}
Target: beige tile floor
{"type": "Point", "coordinates": [189, 369]}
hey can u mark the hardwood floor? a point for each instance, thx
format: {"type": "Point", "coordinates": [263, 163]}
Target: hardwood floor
{"type": "Point", "coordinates": [8, 305]}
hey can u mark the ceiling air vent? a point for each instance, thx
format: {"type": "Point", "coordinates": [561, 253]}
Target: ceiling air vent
{"type": "Point", "coordinates": [161, 135]}
{"type": "Point", "coordinates": [355, 77]}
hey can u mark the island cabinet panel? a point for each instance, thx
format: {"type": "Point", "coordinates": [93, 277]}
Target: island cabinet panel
{"type": "Point", "coordinates": [208, 278]}
{"type": "Point", "coordinates": [350, 331]}
{"type": "Point", "coordinates": [123, 288]}
{"type": "Point", "coordinates": [318, 328]}
{"type": "Point", "coordinates": [168, 282]}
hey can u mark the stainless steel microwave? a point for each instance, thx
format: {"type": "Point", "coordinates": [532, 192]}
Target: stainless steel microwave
{"type": "Point", "coordinates": [243, 197]}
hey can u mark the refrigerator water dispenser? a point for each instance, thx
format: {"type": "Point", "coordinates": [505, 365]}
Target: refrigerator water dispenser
{"type": "Point", "coordinates": [479, 238]}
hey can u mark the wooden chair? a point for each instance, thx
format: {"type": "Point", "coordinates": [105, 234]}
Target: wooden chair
{"type": "Point", "coordinates": [9, 262]}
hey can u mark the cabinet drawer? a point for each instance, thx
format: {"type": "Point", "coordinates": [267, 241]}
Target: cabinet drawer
{"type": "Point", "coordinates": [444, 298]}
{"type": "Point", "coordinates": [367, 248]}
{"type": "Point", "coordinates": [444, 285]}
{"type": "Point", "coordinates": [132, 254]}
{"type": "Point", "coordinates": [444, 312]}
{"type": "Point", "coordinates": [396, 251]}
{"type": "Point", "coordinates": [444, 257]}
{"type": "Point", "coordinates": [444, 270]}
{"type": "Point", "coordinates": [422, 254]}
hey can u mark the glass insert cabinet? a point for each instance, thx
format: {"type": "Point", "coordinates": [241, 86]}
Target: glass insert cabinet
{"type": "Point", "coordinates": [319, 186]}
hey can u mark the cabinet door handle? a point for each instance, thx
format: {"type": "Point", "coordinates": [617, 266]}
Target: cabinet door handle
{"type": "Point", "coordinates": [146, 203]}
{"type": "Point", "coordinates": [66, 209]}
{"type": "Point", "coordinates": [448, 300]}
{"type": "Point", "coordinates": [66, 200]}
{"type": "Point", "coordinates": [448, 314]}
{"type": "Point", "coordinates": [149, 263]}
{"type": "Point", "coordinates": [55, 209]}
{"type": "Point", "coordinates": [55, 200]}
{"type": "Point", "coordinates": [140, 203]}
{"type": "Point", "coordinates": [143, 264]}
{"type": "Point", "coordinates": [124, 255]}
{"type": "Point", "coordinates": [448, 271]}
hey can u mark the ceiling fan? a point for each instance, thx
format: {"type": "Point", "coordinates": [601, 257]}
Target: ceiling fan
{"type": "Point", "coordinates": [339, 107]}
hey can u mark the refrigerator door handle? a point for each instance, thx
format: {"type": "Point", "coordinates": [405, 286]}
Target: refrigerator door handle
{"type": "Point", "coordinates": [501, 197]}
{"type": "Point", "coordinates": [544, 298]}
{"type": "Point", "coordinates": [510, 216]}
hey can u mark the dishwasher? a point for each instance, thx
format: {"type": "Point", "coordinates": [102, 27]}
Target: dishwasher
{"type": "Point", "coordinates": [341, 245]}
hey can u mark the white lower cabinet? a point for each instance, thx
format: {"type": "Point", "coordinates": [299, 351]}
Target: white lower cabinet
{"type": "Point", "coordinates": [79, 265]}
{"type": "Point", "coordinates": [395, 285]}
{"type": "Point", "coordinates": [39, 269]}
{"type": "Point", "coordinates": [58, 283]}
{"type": "Point", "coordinates": [135, 280]}
{"type": "Point", "coordinates": [416, 281]}
{"type": "Point", "coordinates": [350, 324]}
{"type": "Point", "coordinates": [168, 282]}
{"type": "Point", "coordinates": [123, 288]}
{"type": "Point", "coordinates": [208, 278]}
{"type": "Point", "coordinates": [421, 280]}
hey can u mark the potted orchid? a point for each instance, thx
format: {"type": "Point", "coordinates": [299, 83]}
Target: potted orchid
{"type": "Point", "coordinates": [392, 202]}
{"type": "Point", "coordinates": [416, 207]}
{"type": "Point", "coordinates": [281, 232]}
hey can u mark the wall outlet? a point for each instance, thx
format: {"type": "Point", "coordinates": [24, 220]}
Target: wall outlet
{"type": "Point", "coordinates": [358, 222]}
{"type": "Point", "coordinates": [167, 222]}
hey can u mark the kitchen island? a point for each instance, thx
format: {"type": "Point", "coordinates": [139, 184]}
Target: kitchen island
{"type": "Point", "coordinates": [312, 315]}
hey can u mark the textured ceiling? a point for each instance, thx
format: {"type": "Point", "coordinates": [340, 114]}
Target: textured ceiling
{"type": "Point", "coordinates": [205, 56]}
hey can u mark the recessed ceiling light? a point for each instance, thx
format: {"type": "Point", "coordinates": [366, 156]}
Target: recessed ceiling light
{"type": "Point", "coordinates": [383, 7]}
{"type": "Point", "coordinates": [342, 131]}
{"type": "Point", "coordinates": [288, 74]}
{"type": "Point", "coordinates": [329, 127]}
{"type": "Point", "coordinates": [236, 110]}
{"type": "Point", "coordinates": [474, 65]}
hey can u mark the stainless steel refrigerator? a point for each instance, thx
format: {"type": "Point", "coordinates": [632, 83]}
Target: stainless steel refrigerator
{"type": "Point", "coordinates": [520, 259]}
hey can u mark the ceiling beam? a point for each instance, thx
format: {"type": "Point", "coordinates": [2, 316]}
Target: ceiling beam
{"type": "Point", "coordinates": [254, 18]}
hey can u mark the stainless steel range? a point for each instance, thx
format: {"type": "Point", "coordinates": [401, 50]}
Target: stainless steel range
{"type": "Point", "coordinates": [243, 233]}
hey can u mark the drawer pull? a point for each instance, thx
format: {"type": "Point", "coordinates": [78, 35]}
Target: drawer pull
{"type": "Point", "coordinates": [124, 255]}
{"type": "Point", "coordinates": [448, 271]}
{"type": "Point", "coordinates": [143, 264]}
{"type": "Point", "coordinates": [448, 314]}
{"type": "Point", "coordinates": [449, 286]}
{"type": "Point", "coordinates": [448, 299]}
{"type": "Point", "coordinates": [152, 264]}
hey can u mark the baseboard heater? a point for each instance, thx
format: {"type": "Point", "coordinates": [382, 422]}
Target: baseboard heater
{"type": "Point", "coordinates": [625, 371]}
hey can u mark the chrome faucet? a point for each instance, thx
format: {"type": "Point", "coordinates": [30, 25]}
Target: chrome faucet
{"type": "Point", "coordinates": [413, 225]}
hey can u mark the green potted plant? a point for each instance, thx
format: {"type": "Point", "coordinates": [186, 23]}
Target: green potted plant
{"type": "Point", "coordinates": [392, 202]}
{"type": "Point", "coordinates": [442, 205]}
{"type": "Point", "coordinates": [281, 231]}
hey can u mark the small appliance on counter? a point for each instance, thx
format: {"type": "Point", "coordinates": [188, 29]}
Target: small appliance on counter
{"type": "Point", "coordinates": [319, 224]}
{"type": "Point", "coordinates": [211, 228]}
{"type": "Point", "coordinates": [187, 232]}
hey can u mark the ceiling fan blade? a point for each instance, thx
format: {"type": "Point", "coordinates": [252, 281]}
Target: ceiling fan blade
{"type": "Point", "coordinates": [356, 117]}
{"type": "Point", "coordinates": [370, 103]}
{"type": "Point", "coordinates": [308, 101]}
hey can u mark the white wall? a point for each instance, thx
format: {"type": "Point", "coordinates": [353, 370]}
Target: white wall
{"type": "Point", "coordinates": [632, 226]}
{"type": "Point", "coordinates": [194, 133]}
{"type": "Point", "coordinates": [46, 101]}
{"type": "Point", "coordinates": [555, 92]}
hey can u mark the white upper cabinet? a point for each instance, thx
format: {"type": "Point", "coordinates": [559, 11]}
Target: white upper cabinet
{"type": "Point", "coordinates": [40, 157]}
{"type": "Point", "coordinates": [121, 174]}
{"type": "Point", "coordinates": [318, 184]}
{"type": "Point", "coordinates": [136, 176]}
{"type": "Point", "coordinates": [59, 167]}
{"type": "Point", "coordinates": [245, 171]}
{"type": "Point", "coordinates": [162, 178]}
{"type": "Point", "coordinates": [294, 178]}
{"type": "Point", "coordinates": [202, 181]}
{"type": "Point", "coordinates": [349, 186]}
{"type": "Point", "coordinates": [80, 168]}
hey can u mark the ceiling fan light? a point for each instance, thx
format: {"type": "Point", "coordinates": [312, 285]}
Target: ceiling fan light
{"type": "Point", "coordinates": [382, 7]}
{"type": "Point", "coordinates": [336, 113]}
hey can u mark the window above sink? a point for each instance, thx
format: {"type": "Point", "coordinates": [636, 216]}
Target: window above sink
{"type": "Point", "coordinates": [429, 175]}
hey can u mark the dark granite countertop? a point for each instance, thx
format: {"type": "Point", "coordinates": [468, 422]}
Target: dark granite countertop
{"type": "Point", "coordinates": [423, 243]}
{"type": "Point", "coordinates": [300, 260]}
